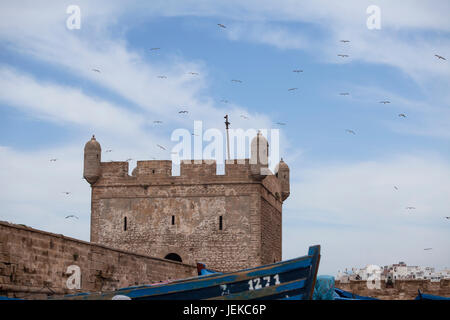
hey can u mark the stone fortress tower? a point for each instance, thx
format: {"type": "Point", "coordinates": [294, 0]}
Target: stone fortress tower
{"type": "Point", "coordinates": [228, 222]}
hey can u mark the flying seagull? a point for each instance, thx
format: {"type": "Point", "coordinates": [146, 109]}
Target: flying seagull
{"type": "Point", "coordinates": [344, 93]}
{"type": "Point", "coordinates": [298, 71]}
{"type": "Point", "coordinates": [410, 208]}
{"type": "Point", "coordinates": [345, 41]}
{"type": "Point", "coordinates": [281, 123]}
{"type": "Point", "coordinates": [96, 70]}
{"type": "Point", "coordinates": [395, 187]}
{"type": "Point", "coordinates": [448, 218]}
{"type": "Point", "coordinates": [183, 111]}
{"type": "Point", "coordinates": [153, 49]}
{"type": "Point", "coordinates": [221, 25]}
{"type": "Point", "coordinates": [161, 147]}
{"type": "Point", "coordinates": [157, 121]}
{"type": "Point", "coordinates": [428, 249]}
{"type": "Point", "coordinates": [162, 77]}
{"type": "Point", "coordinates": [72, 216]}
{"type": "Point", "coordinates": [224, 101]}
{"type": "Point", "coordinates": [193, 73]}
{"type": "Point", "coordinates": [107, 151]}
{"type": "Point", "coordinates": [53, 160]}
{"type": "Point", "coordinates": [402, 115]}
{"type": "Point", "coordinates": [292, 89]}
{"type": "Point", "coordinates": [350, 131]}
{"type": "Point", "coordinates": [343, 55]}
{"type": "Point", "coordinates": [385, 102]}
{"type": "Point", "coordinates": [440, 57]}
{"type": "Point", "coordinates": [235, 80]}
{"type": "Point", "coordinates": [244, 117]}
{"type": "Point", "coordinates": [66, 192]}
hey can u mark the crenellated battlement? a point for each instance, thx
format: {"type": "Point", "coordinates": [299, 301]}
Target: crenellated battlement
{"type": "Point", "coordinates": [154, 168]}
{"type": "Point", "coordinates": [155, 172]}
{"type": "Point", "coordinates": [237, 168]}
{"type": "Point", "coordinates": [162, 169]}
{"type": "Point", "coordinates": [198, 168]}
{"type": "Point", "coordinates": [114, 169]}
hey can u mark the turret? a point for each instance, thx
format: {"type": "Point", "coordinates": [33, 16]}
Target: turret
{"type": "Point", "coordinates": [282, 173]}
{"type": "Point", "coordinates": [92, 159]}
{"type": "Point", "coordinates": [259, 160]}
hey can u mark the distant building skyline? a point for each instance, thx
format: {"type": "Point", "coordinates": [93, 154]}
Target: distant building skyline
{"type": "Point", "coordinates": [396, 271]}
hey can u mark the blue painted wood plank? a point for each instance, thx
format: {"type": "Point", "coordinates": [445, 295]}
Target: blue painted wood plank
{"type": "Point", "coordinates": [285, 279]}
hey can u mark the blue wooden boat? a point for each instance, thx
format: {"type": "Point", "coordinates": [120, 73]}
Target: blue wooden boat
{"type": "Point", "coordinates": [286, 280]}
{"type": "Point", "coordinates": [423, 296]}
{"type": "Point", "coordinates": [345, 295]}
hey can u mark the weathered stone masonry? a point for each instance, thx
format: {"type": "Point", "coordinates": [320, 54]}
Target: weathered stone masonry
{"type": "Point", "coordinates": [34, 264]}
{"type": "Point", "coordinates": [401, 289]}
{"type": "Point", "coordinates": [139, 221]}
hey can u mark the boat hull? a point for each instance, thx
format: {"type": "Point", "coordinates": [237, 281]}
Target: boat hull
{"type": "Point", "coordinates": [291, 279]}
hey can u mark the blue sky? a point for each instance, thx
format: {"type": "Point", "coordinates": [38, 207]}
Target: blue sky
{"type": "Point", "coordinates": [342, 187]}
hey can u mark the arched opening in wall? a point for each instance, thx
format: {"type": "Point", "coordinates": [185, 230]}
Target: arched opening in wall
{"type": "Point", "coordinates": [173, 257]}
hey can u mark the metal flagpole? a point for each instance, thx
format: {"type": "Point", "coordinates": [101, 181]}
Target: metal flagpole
{"type": "Point", "coordinates": [228, 136]}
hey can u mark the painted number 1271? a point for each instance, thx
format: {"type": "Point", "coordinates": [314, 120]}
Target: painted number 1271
{"type": "Point", "coordinates": [259, 283]}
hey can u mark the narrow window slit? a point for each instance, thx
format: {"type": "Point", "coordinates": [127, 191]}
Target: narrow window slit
{"type": "Point", "coordinates": [125, 224]}
{"type": "Point", "coordinates": [220, 223]}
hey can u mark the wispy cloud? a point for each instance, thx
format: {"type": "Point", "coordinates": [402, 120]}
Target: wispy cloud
{"type": "Point", "coordinates": [357, 212]}
{"type": "Point", "coordinates": [363, 193]}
